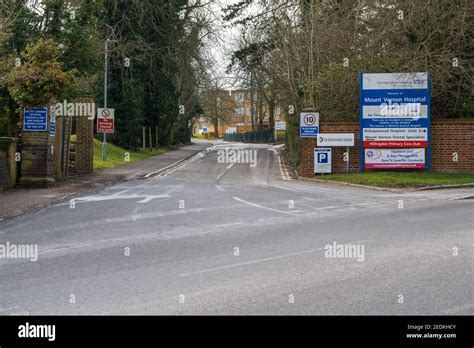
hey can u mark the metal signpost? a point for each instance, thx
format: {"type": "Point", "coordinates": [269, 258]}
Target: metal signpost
{"type": "Point", "coordinates": [394, 115]}
{"type": "Point", "coordinates": [106, 64]}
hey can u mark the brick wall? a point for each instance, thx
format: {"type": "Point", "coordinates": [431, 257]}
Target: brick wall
{"type": "Point", "coordinates": [451, 137]}
{"type": "Point", "coordinates": [37, 161]}
{"type": "Point", "coordinates": [84, 143]}
{"type": "Point", "coordinates": [447, 137]}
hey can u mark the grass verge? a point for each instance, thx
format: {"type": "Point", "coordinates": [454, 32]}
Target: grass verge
{"type": "Point", "coordinates": [401, 179]}
{"type": "Point", "coordinates": [116, 155]}
{"type": "Point", "coordinates": [203, 137]}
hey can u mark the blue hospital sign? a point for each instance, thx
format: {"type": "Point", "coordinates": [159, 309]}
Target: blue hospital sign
{"type": "Point", "coordinates": [394, 114]}
{"type": "Point", "coordinates": [322, 160]}
{"type": "Point", "coordinates": [35, 120]}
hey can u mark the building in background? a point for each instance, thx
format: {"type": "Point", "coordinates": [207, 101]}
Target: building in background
{"type": "Point", "coordinates": [241, 121]}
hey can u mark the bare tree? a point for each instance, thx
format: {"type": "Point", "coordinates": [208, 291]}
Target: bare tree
{"type": "Point", "coordinates": [219, 105]}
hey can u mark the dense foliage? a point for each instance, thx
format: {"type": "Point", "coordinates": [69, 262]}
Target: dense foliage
{"type": "Point", "coordinates": [309, 53]}
{"type": "Point", "coordinates": [161, 39]}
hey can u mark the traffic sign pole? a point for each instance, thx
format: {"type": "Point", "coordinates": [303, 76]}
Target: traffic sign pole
{"type": "Point", "coordinates": [106, 62]}
{"type": "Point", "coordinates": [347, 164]}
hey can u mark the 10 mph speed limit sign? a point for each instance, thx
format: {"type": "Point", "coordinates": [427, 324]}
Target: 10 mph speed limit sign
{"type": "Point", "coordinates": [309, 124]}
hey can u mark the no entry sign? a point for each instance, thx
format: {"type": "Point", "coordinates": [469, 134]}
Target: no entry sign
{"type": "Point", "coordinates": [309, 124]}
{"type": "Point", "coordinates": [105, 120]}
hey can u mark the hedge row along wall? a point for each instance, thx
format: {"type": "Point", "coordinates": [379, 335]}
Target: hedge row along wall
{"type": "Point", "coordinates": [448, 137]}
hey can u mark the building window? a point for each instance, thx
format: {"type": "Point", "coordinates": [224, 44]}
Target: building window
{"type": "Point", "coordinates": [239, 112]}
{"type": "Point", "coordinates": [239, 97]}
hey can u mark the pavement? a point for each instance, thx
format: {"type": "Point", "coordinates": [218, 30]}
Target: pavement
{"type": "Point", "coordinates": [211, 237]}
{"type": "Point", "coordinates": [18, 201]}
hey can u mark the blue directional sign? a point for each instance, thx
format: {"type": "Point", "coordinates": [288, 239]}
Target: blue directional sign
{"type": "Point", "coordinates": [35, 120]}
{"type": "Point", "coordinates": [52, 124]}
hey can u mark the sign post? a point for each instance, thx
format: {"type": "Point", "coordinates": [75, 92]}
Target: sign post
{"type": "Point", "coordinates": [347, 162]}
{"type": "Point", "coordinates": [106, 65]}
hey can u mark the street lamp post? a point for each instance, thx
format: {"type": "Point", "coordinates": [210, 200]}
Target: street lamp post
{"type": "Point", "coordinates": [106, 64]}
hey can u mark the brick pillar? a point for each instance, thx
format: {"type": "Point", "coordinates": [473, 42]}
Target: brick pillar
{"type": "Point", "coordinates": [85, 141]}
{"type": "Point", "coordinates": [37, 158]}
{"type": "Point", "coordinates": [307, 157]}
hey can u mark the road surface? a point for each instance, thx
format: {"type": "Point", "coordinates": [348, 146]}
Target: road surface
{"type": "Point", "coordinates": [216, 238]}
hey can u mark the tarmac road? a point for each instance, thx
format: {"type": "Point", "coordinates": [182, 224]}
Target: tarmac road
{"type": "Point", "coordinates": [217, 238]}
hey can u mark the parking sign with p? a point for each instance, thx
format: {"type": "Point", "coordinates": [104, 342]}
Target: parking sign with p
{"type": "Point", "coordinates": [322, 160]}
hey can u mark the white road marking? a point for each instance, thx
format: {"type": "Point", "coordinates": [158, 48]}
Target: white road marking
{"type": "Point", "coordinates": [162, 169]}
{"type": "Point", "coordinates": [184, 161]}
{"type": "Point", "coordinates": [219, 188]}
{"type": "Point", "coordinates": [263, 260]}
{"type": "Point", "coordinates": [116, 196]}
{"type": "Point", "coordinates": [457, 309]}
{"type": "Point", "coordinates": [267, 208]}
{"type": "Point", "coordinates": [230, 224]}
{"type": "Point", "coordinates": [143, 187]}
{"type": "Point", "coordinates": [225, 171]}
{"type": "Point", "coordinates": [328, 207]}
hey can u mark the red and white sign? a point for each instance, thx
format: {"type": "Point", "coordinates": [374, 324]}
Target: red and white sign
{"type": "Point", "coordinates": [105, 120]}
{"type": "Point", "coordinates": [309, 119]}
{"type": "Point", "coordinates": [394, 158]}
{"type": "Point", "coordinates": [395, 137]}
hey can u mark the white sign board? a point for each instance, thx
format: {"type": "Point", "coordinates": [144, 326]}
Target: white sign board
{"type": "Point", "coordinates": [384, 81]}
{"type": "Point", "coordinates": [309, 124]}
{"type": "Point", "coordinates": [394, 158]}
{"type": "Point", "coordinates": [280, 125]}
{"type": "Point", "coordinates": [335, 139]}
{"type": "Point", "coordinates": [322, 160]}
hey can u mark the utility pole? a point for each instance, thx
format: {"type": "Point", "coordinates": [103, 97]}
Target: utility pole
{"type": "Point", "coordinates": [106, 64]}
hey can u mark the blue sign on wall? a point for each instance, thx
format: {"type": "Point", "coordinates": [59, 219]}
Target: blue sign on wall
{"type": "Point", "coordinates": [36, 120]}
{"type": "Point", "coordinates": [52, 124]}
